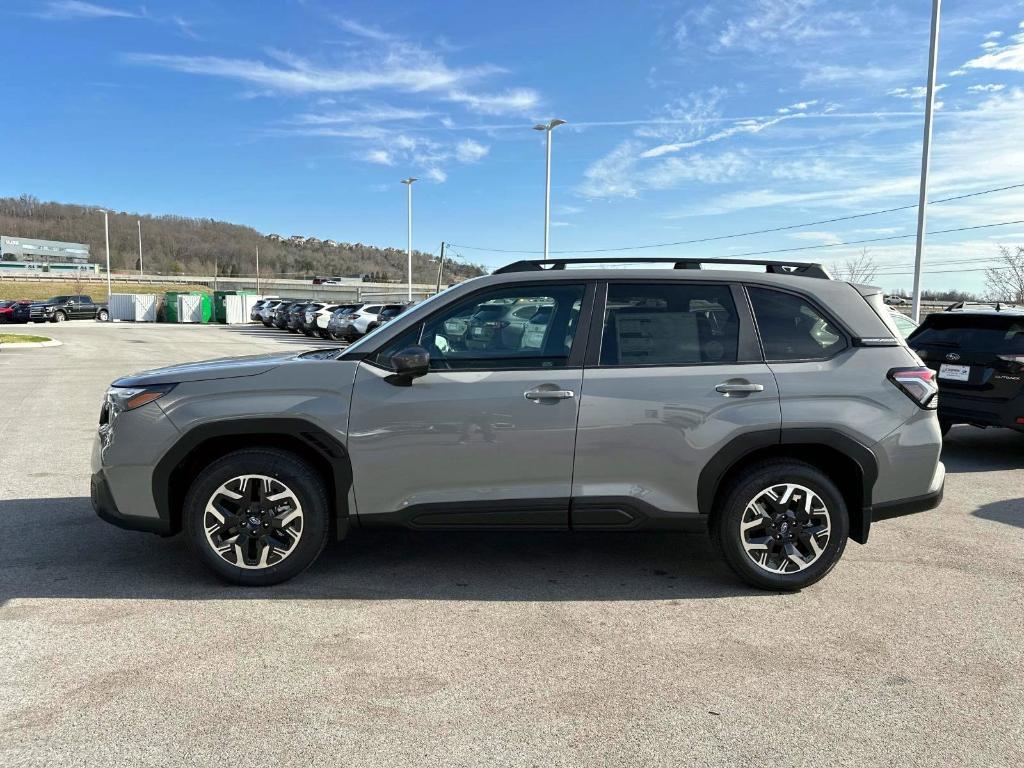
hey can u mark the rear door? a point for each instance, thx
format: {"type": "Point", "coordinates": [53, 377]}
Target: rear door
{"type": "Point", "coordinates": [673, 373]}
{"type": "Point", "coordinates": [980, 356]}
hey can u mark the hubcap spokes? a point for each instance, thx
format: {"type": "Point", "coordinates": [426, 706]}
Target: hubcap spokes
{"type": "Point", "coordinates": [785, 528]}
{"type": "Point", "coordinates": [253, 521]}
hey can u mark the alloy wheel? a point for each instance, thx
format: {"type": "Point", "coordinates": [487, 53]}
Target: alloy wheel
{"type": "Point", "coordinates": [785, 528]}
{"type": "Point", "coordinates": [253, 521]}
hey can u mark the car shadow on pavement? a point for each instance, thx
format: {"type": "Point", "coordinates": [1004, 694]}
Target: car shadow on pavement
{"type": "Point", "coordinates": [283, 337]}
{"type": "Point", "coordinates": [1008, 511]}
{"type": "Point", "coordinates": [55, 548]}
{"type": "Point", "coordinates": [970, 449]}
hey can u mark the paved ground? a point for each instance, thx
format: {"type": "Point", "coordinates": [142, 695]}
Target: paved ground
{"type": "Point", "coordinates": [403, 649]}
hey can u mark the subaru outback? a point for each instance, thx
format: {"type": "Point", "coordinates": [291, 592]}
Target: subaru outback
{"type": "Point", "coordinates": [779, 410]}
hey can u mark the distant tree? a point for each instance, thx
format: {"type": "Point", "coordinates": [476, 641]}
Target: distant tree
{"type": "Point", "coordinates": [859, 269]}
{"type": "Point", "coordinates": [1005, 282]}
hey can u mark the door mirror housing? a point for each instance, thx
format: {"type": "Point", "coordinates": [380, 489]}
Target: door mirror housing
{"type": "Point", "coordinates": [409, 364]}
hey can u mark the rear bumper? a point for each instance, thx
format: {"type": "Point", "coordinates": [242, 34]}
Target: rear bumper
{"type": "Point", "coordinates": [958, 409]}
{"type": "Point", "coordinates": [910, 506]}
{"type": "Point", "coordinates": [106, 508]}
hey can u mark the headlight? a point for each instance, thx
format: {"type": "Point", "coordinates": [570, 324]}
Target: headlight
{"type": "Point", "coordinates": [130, 398]}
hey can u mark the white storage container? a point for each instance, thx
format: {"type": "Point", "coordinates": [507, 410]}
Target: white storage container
{"type": "Point", "coordinates": [190, 309]}
{"type": "Point", "coordinates": [133, 307]}
{"type": "Point", "coordinates": [248, 302]}
{"type": "Point", "coordinates": [234, 313]}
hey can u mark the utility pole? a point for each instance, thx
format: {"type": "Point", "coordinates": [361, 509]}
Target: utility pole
{"type": "Point", "coordinates": [547, 128]}
{"type": "Point", "coordinates": [140, 247]}
{"type": "Point", "coordinates": [408, 183]}
{"type": "Point", "coordinates": [216, 270]}
{"type": "Point", "coordinates": [257, 270]}
{"type": "Point", "coordinates": [926, 151]}
{"type": "Point", "coordinates": [440, 266]}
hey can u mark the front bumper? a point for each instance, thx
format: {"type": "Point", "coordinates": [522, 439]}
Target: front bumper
{"type": "Point", "coordinates": [106, 508]}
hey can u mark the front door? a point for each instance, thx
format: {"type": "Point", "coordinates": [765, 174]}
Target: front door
{"type": "Point", "coordinates": [674, 376]}
{"type": "Point", "coordinates": [486, 437]}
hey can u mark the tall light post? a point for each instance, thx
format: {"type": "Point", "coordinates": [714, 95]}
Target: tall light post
{"type": "Point", "coordinates": [547, 128]}
{"type": "Point", "coordinates": [106, 233]}
{"type": "Point", "coordinates": [408, 183]}
{"type": "Point", "coordinates": [926, 153]}
{"type": "Point", "coordinates": [140, 247]}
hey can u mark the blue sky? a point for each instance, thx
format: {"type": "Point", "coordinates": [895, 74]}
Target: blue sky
{"type": "Point", "coordinates": [686, 120]}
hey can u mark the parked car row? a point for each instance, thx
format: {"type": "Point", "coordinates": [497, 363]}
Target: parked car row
{"type": "Point", "coordinates": [330, 321]}
{"type": "Point", "coordinates": [54, 310]}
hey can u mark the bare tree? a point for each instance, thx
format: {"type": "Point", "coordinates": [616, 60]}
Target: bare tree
{"type": "Point", "coordinates": [859, 269]}
{"type": "Point", "coordinates": [1005, 282]}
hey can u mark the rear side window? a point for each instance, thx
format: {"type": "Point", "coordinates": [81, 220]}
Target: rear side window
{"type": "Point", "coordinates": [666, 323]}
{"type": "Point", "coordinates": [977, 333]}
{"type": "Point", "coordinates": [792, 329]}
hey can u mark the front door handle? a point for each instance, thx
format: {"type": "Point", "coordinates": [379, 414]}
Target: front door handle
{"type": "Point", "coordinates": [728, 387]}
{"type": "Point", "coordinates": [549, 394]}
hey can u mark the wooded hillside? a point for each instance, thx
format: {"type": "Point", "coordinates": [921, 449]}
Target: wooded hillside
{"type": "Point", "coordinates": [179, 245]}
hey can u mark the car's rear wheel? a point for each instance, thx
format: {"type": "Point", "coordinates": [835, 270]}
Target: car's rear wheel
{"type": "Point", "coordinates": [103, 316]}
{"type": "Point", "coordinates": [257, 517]}
{"type": "Point", "coordinates": [781, 525]}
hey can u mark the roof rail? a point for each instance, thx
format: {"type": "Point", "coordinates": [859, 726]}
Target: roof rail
{"type": "Point", "coordinates": [998, 306]}
{"type": "Point", "coordinates": [801, 268]}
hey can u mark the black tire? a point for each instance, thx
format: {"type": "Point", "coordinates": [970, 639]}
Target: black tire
{"type": "Point", "coordinates": [944, 426]}
{"type": "Point", "coordinates": [307, 487]}
{"type": "Point", "coordinates": [310, 332]}
{"type": "Point", "coordinates": [102, 315]}
{"type": "Point", "coordinates": [324, 335]}
{"type": "Point", "coordinates": [728, 515]}
{"type": "Point", "coordinates": [59, 317]}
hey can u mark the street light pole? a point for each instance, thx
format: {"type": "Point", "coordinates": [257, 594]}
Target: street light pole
{"type": "Point", "coordinates": [257, 270]}
{"type": "Point", "coordinates": [408, 183]}
{"type": "Point", "coordinates": [926, 152]}
{"type": "Point", "coordinates": [106, 234]}
{"type": "Point", "coordinates": [140, 247]}
{"type": "Point", "coordinates": [548, 128]}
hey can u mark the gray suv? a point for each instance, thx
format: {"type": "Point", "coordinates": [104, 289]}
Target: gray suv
{"type": "Point", "coordinates": [776, 408]}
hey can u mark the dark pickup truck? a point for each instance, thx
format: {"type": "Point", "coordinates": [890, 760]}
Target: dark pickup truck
{"type": "Point", "coordinates": [61, 308]}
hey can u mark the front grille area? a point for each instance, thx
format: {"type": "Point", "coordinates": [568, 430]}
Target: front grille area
{"type": "Point", "coordinates": [35, 312]}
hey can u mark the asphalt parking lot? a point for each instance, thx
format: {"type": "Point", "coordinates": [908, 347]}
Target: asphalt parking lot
{"type": "Point", "coordinates": [485, 649]}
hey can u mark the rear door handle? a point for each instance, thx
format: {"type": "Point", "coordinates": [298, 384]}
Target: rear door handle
{"type": "Point", "coordinates": [726, 387]}
{"type": "Point", "coordinates": [549, 394]}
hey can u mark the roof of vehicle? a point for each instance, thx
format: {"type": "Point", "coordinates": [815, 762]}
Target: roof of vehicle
{"type": "Point", "coordinates": [985, 308]}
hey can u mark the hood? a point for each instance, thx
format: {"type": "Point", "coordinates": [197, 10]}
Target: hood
{"type": "Point", "coordinates": [224, 368]}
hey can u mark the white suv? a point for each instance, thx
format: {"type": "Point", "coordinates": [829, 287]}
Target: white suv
{"type": "Point", "coordinates": [356, 323]}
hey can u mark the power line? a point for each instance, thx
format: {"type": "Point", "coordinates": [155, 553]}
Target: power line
{"type": "Point", "coordinates": [753, 232]}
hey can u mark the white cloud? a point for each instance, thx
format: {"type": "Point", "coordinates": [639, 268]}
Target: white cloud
{"type": "Point", "coordinates": [367, 115]}
{"type": "Point", "coordinates": [437, 175]}
{"type": "Point", "coordinates": [742, 126]}
{"type": "Point", "coordinates": [831, 74]}
{"type": "Point", "coordinates": [995, 34]}
{"type": "Point", "coordinates": [1010, 58]}
{"type": "Point", "coordinates": [917, 92]}
{"type": "Point", "coordinates": [364, 30]}
{"type": "Point", "coordinates": [958, 72]}
{"type": "Point", "coordinates": [379, 156]}
{"type": "Point", "coordinates": [297, 75]}
{"type": "Point", "coordinates": [988, 45]}
{"type": "Point", "coordinates": [824, 238]}
{"type": "Point", "coordinates": [508, 102]}
{"type": "Point", "coordinates": [988, 88]}
{"type": "Point", "coordinates": [773, 24]}
{"type": "Point", "coordinates": [469, 151]}
{"type": "Point", "coordinates": [74, 9]}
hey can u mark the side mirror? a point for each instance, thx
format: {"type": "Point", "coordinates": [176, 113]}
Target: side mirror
{"type": "Point", "coordinates": [409, 364]}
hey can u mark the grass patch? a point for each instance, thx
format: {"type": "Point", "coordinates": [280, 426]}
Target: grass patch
{"type": "Point", "coordinates": [11, 288]}
{"type": "Point", "coordinates": [21, 338]}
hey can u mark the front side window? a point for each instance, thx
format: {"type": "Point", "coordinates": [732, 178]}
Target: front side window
{"type": "Point", "coordinates": [667, 323]}
{"type": "Point", "coordinates": [792, 329]}
{"type": "Point", "coordinates": [489, 331]}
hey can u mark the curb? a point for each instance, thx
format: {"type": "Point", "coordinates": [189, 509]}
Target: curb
{"type": "Point", "coordinates": [30, 344]}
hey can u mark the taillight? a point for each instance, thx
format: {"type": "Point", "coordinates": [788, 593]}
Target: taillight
{"type": "Point", "coordinates": [918, 384]}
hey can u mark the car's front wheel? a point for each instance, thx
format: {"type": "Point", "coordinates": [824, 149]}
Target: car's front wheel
{"type": "Point", "coordinates": [781, 525]}
{"type": "Point", "coordinates": [257, 517]}
{"type": "Point", "coordinates": [59, 317]}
